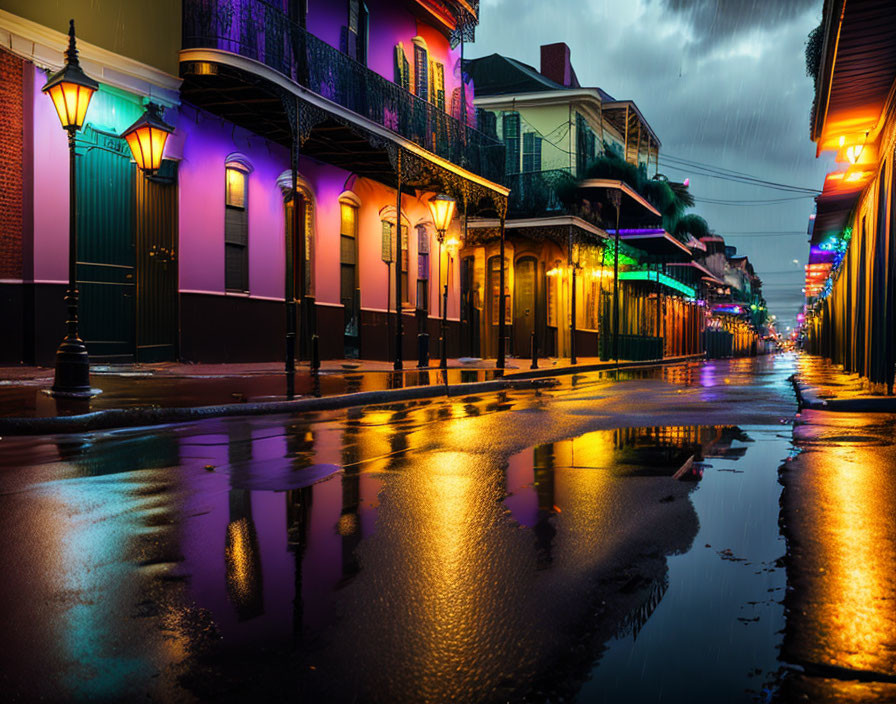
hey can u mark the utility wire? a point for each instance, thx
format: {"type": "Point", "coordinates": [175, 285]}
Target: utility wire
{"type": "Point", "coordinates": [723, 172]}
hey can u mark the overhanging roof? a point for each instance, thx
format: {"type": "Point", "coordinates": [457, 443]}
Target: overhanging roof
{"type": "Point", "coordinates": [705, 273]}
{"type": "Point", "coordinates": [245, 91]}
{"type": "Point", "coordinates": [858, 67]}
{"type": "Point", "coordinates": [832, 210]}
{"type": "Point", "coordinates": [634, 208]}
{"type": "Point", "coordinates": [654, 241]}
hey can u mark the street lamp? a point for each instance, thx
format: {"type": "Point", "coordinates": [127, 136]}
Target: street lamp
{"type": "Point", "coordinates": [442, 209]}
{"type": "Point", "coordinates": [147, 137]}
{"type": "Point", "coordinates": [71, 89]}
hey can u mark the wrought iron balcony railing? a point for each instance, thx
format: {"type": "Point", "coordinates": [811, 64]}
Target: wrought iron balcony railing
{"type": "Point", "coordinates": [259, 31]}
{"type": "Point", "coordinates": [538, 193]}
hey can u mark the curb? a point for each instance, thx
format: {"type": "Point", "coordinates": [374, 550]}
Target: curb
{"type": "Point", "coordinates": [807, 397]}
{"type": "Point", "coordinates": [110, 418]}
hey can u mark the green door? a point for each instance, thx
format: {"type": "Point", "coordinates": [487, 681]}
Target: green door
{"type": "Point", "coordinates": [105, 272]}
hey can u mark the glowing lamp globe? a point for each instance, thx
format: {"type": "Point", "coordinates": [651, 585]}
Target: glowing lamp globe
{"type": "Point", "coordinates": [147, 137]}
{"type": "Point", "coordinates": [70, 88]}
{"type": "Point", "coordinates": [442, 209]}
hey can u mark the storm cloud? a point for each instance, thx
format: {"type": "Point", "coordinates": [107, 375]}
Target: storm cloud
{"type": "Point", "coordinates": [720, 81]}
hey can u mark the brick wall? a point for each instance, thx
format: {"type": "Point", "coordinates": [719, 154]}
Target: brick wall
{"type": "Point", "coordinates": [11, 165]}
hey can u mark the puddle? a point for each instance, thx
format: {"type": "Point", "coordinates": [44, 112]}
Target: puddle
{"type": "Point", "coordinates": [401, 553]}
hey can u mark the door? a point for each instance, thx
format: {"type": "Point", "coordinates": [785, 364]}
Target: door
{"type": "Point", "coordinates": [523, 305]}
{"type": "Point", "coordinates": [106, 261]}
{"type": "Point", "coordinates": [470, 312]}
{"type": "Point", "coordinates": [349, 293]}
{"type": "Point", "coordinates": [156, 236]}
{"type": "Point", "coordinates": [494, 303]}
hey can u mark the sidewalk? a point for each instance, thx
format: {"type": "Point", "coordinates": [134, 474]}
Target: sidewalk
{"type": "Point", "coordinates": [146, 394]}
{"type": "Point", "coordinates": [823, 386]}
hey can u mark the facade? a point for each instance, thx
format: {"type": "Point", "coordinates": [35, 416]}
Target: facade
{"type": "Point", "coordinates": [851, 275]}
{"type": "Point", "coordinates": [560, 262]}
{"type": "Point", "coordinates": [737, 323]}
{"type": "Point", "coordinates": [309, 139]}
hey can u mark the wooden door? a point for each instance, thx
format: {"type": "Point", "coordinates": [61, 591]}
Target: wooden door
{"type": "Point", "coordinates": [524, 297]}
{"type": "Point", "coordinates": [106, 260]}
{"type": "Point", "coordinates": [156, 236]}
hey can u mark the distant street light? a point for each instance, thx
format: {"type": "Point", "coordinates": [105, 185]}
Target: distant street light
{"type": "Point", "coordinates": [71, 89]}
{"type": "Point", "coordinates": [442, 209]}
{"type": "Point", "coordinates": [147, 137]}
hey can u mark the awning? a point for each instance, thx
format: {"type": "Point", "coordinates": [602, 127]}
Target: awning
{"type": "Point", "coordinates": [832, 209]}
{"type": "Point", "coordinates": [658, 277]}
{"type": "Point", "coordinates": [653, 241]}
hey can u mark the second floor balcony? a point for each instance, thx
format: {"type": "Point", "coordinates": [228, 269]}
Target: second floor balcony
{"type": "Point", "coordinates": [257, 30]}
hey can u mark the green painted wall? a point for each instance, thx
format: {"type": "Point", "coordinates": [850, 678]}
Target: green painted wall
{"type": "Point", "coordinates": [148, 31]}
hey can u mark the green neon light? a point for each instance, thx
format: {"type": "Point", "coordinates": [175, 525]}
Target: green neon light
{"type": "Point", "coordinates": [657, 276]}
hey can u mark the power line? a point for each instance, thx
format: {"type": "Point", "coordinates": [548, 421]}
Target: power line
{"type": "Point", "coordinates": [723, 172]}
{"type": "Point", "coordinates": [748, 182]}
{"type": "Point", "coordinates": [770, 201]}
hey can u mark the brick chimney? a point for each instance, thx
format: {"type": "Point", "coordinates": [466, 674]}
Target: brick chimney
{"type": "Point", "coordinates": [555, 64]}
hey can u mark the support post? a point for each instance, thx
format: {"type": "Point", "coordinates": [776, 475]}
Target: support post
{"type": "Point", "coordinates": [72, 364]}
{"type": "Point", "coordinates": [398, 365]}
{"type": "Point", "coordinates": [659, 310]}
{"type": "Point", "coordinates": [616, 199]}
{"type": "Point", "coordinates": [289, 278]}
{"type": "Point", "coordinates": [572, 322]}
{"type": "Point", "coordinates": [502, 305]}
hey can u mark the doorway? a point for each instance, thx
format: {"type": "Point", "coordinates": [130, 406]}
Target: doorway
{"type": "Point", "coordinates": [106, 270]}
{"type": "Point", "coordinates": [524, 299]}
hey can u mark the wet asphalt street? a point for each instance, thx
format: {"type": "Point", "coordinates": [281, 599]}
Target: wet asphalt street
{"type": "Point", "coordinates": [668, 537]}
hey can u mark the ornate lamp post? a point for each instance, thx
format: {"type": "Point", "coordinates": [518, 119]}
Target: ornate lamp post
{"type": "Point", "coordinates": [442, 209]}
{"type": "Point", "coordinates": [71, 90]}
{"type": "Point", "coordinates": [147, 137]}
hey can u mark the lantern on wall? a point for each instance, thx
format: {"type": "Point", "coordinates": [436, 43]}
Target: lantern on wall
{"type": "Point", "coordinates": [147, 137]}
{"type": "Point", "coordinates": [70, 88]}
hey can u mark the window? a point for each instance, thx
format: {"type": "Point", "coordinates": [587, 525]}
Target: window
{"type": "Point", "coordinates": [421, 69]}
{"type": "Point", "coordinates": [422, 268]}
{"type": "Point", "coordinates": [511, 133]}
{"type": "Point", "coordinates": [586, 144]}
{"type": "Point", "coordinates": [389, 236]}
{"type": "Point", "coordinates": [354, 35]}
{"type": "Point", "coordinates": [437, 89]}
{"type": "Point", "coordinates": [531, 152]}
{"type": "Point", "coordinates": [405, 259]}
{"type": "Point", "coordinates": [236, 230]}
{"type": "Point", "coordinates": [402, 68]}
{"type": "Point", "coordinates": [348, 266]}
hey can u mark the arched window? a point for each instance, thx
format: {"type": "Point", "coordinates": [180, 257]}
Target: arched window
{"type": "Point", "coordinates": [236, 222]}
{"type": "Point", "coordinates": [304, 201]}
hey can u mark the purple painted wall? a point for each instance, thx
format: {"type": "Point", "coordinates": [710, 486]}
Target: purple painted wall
{"type": "Point", "coordinates": [50, 189]}
{"type": "Point", "coordinates": [390, 23]}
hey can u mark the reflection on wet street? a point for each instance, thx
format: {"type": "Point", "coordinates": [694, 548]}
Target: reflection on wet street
{"type": "Point", "coordinates": [509, 547]}
{"type": "Point", "coordinates": [838, 516]}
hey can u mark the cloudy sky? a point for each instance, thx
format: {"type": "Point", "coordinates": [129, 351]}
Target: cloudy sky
{"type": "Point", "coordinates": [721, 82]}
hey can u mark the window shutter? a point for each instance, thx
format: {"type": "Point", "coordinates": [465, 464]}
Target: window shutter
{"type": "Point", "coordinates": [386, 246]}
{"type": "Point", "coordinates": [422, 240]}
{"type": "Point", "coordinates": [236, 226]}
{"type": "Point", "coordinates": [235, 270]}
{"type": "Point", "coordinates": [404, 248]}
{"type": "Point", "coordinates": [421, 72]}
{"type": "Point", "coordinates": [511, 131]}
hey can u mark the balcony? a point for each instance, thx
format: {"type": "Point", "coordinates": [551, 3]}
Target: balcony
{"type": "Point", "coordinates": [259, 31]}
{"type": "Point", "coordinates": [538, 193]}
